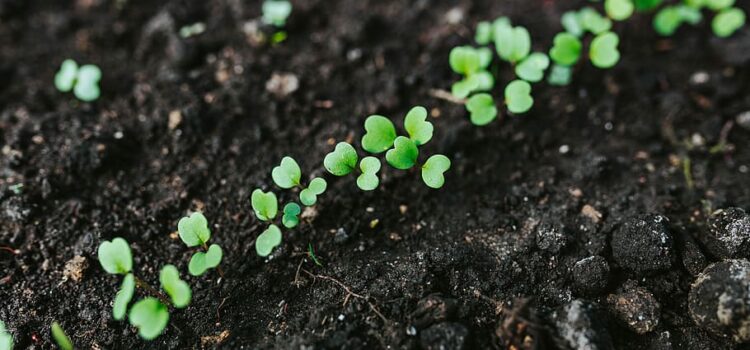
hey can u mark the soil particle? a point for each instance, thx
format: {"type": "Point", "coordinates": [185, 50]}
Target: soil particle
{"type": "Point", "coordinates": [582, 327]}
{"type": "Point", "coordinates": [282, 84]}
{"type": "Point", "coordinates": [591, 275]}
{"type": "Point", "coordinates": [728, 234]}
{"type": "Point", "coordinates": [444, 336]}
{"type": "Point", "coordinates": [635, 307]}
{"type": "Point", "coordinates": [74, 268]}
{"type": "Point", "coordinates": [693, 259]}
{"type": "Point", "coordinates": [433, 309]}
{"type": "Point", "coordinates": [643, 244]}
{"type": "Point", "coordinates": [551, 237]}
{"type": "Point", "coordinates": [719, 299]}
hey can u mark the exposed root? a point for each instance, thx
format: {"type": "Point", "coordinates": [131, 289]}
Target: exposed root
{"type": "Point", "coordinates": [349, 293]}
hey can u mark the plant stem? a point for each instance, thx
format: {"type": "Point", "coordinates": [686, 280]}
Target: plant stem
{"type": "Point", "coordinates": [151, 290]}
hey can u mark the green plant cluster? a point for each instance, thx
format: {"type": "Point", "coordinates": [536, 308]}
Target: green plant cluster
{"type": "Point", "coordinates": [83, 80]}
{"type": "Point", "coordinates": [727, 18]}
{"type": "Point", "coordinates": [275, 13]}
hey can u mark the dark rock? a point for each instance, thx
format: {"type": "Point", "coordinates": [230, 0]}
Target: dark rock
{"type": "Point", "coordinates": [581, 326]}
{"type": "Point", "coordinates": [433, 309]}
{"type": "Point", "coordinates": [644, 244]}
{"type": "Point", "coordinates": [719, 299]}
{"type": "Point", "coordinates": [444, 336]}
{"type": "Point", "coordinates": [693, 259]}
{"type": "Point", "coordinates": [551, 238]}
{"type": "Point", "coordinates": [636, 308]}
{"type": "Point", "coordinates": [591, 275]}
{"type": "Point", "coordinates": [728, 234]}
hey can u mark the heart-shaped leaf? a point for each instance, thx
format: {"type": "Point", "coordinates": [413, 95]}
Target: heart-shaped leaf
{"type": "Point", "coordinates": [201, 262]}
{"type": "Point", "coordinates": [150, 316]}
{"type": "Point", "coordinates": [603, 51]}
{"type": "Point", "coordinates": [368, 180]}
{"type": "Point", "coordinates": [115, 256]}
{"type": "Point", "coordinates": [268, 240]}
{"type": "Point", "coordinates": [287, 174]}
{"type": "Point", "coordinates": [66, 77]}
{"type": "Point", "coordinates": [482, 109]}
{"type": "Point", "coordinates": [177, 289]}
{"type": "Point", "coordinates": [593, 21]}
{"type": "Point", "coordinates": [404, 153]}
{"type": "Point", "coordinates": [264, 204]}
{"type": "Point", "coordinates": [464, 87]}
{"type": "Point", "coordinates": [560, 75]}
{"type": "Point", "coordinates": [214, 254]}
{"type": "Point", "coordinates": [728, 21]}
{"type": "Point", "coordinates": [669, 18]}
{"type": "Point", "coordinates": [342, 160]}
{"type": "Point", "coordinates": [123, 297]}
{"type": "Point", "coordinates": [566, 49]}
{"type": "Point", "coordinates": [194, 230]}
{"type": "Point", "coordinates": [291, 215]}
{"type": "Point", "coordinates": [485, 58]}
{"type": "Point", "coordinates": [532, 67]}
{"type": "Point", "coordinates": [512, 43]}
{"type": "Point", "coordinates": [417, 126]}
{"type": "Point", "coordinates": [483, 34]}
{"type": "Point", "coordinates": [275, 12]}
{"type": "Point", "coordinates": [309, 195]}
{"type": "Point", "coordinates": [87, 83]}
{"type": "Point", "coordinates": [464, 60]}
{"type": "Point", "coordinates": [518, 96]}
{"type": "Point", "coordinates": [571, 21]}
{"type": "Point", "coordinates": [433, 170]}
{"type": "Point", "coordinates": [485, 80]}
{"type": "Point", "coordinates": [619, 10]}
{"type": "Point", "coordinates": [379, 134]}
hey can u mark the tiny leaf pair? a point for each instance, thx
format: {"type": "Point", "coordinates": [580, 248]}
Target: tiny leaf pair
{"type": "Point", "coordinates": [268, 240]}
{"type": "Point", "coordinates": [288, 174]}
{"type": "Point", "coordinates": [619, 10]}
{"type": "Point", "coordinates": [264, 204]}
{"type": "Point", "coordinates": [472, 64]}
{"type": "Point", "coordinates": [380, 133]}
{"type": "Point", "coordinates": [194, 232]}
{"type": "Point", "coordinates": [532, 67]}
{"type": "Point", "coordinates": [291, 215]}
{"type": "Point", "coordinates": [276, 12]}
{"type": "Point", "coordinates": [177, 289]}
{"type": "Point", "coordinates": [670, 18]}
{"type": "Point", "coordinates": [512, 43]}
{"type": "Point", "coordinates": [343, 160]}
{"type": "Point", "coordinates": [728, 21]}
{"type": "Point", "coordinates": [150, 316]}
{"type": "Point", "coordinates": [518, 96]}
{"type": "Point", "coordinates": [83, 80]}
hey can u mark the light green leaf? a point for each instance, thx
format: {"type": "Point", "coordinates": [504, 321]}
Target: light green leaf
{"type": "Point", "coordinates": [268, 240]}
{"type": "Point", "coordinates": [115, 256]}
{"type": "Point", "coordinates": [276, 12]}
{"type": "Point", "coordinates": [177, 289]}
{"type": "Point", "coordinates": [566, 49]}
{"type": "Point", "coordinates": [619, 10]}
{"type": "Point", "coordinates": [603, 51]}
{"type": "Point", "coordinates": [6, 339]}
{"type": "Point", "coordinates": [291, 215]}
{"type": "Point", "coordinates": [66, 77]}
{"type": "Point", "coordinates": [379, 134]}
{"type": "Point", "coordinates": [482, 109]}
{"type": "Point", "coordinates": [518, 96]}
{"type": "Point", "coordinates": [728, 21]}
{"type": "Point", "coordinates": [560, 75]}
{"type": "Point", "coordinates": [464, 87]}
{"type": "Point", "coordinates": [214, 254]}
{"type": "Point", "coordinates": [403, 155]}
{"type": "Point", "coordinates": [287, 174]}
{"type": "Point", "coordinates": [484, 80]}
{"type": "Point", "coordinates": [417, 126]}
{"type": "Point", "coordinates": [368, 180]}
{"type": "Point", "coordinates": [532, 67]}
{"type": "Point", "coordinates": [718, 5]}
{"type": "Point", "coordinates": [309, 195]}
{"type": "Point", "coordinates": [433, 170]}
{"type": "Point", "coordinates": [150, 316]}
{"type": "Point", "coordinates": [571, 22]}
{"type": "Point", "coordinates": [485, 58]}
{"type": "Point", "coordinates": [62, 340]}
{"type": "Point", "coordinates": [123, 297]}
{"type": "Point", "coordinates": [264, 204]}
{"type": "Point", "coordinates": [593, 21]}
{"type": "Point", "coordinates": [194, 230]}
{"type": "Point", "coordinates": [342, 160]}
{"type": "Point", "coordinates": [201, 262]}
{"type": "Point", "coordinates": [512, 43]}
{"type": "Point", "coordinates": [464, 60]}
{"type": "Point", "coordinates": [87, 83]}
{"type": "Point", "coordinates": [483, 35]}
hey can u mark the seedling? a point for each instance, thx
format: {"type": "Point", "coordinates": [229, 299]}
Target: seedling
{"type": "Point", "coordinates": [150, 316]}
{"type": "Point", "coordinates": [194, 232]}
{"type": "Point", "coordinates": [603, 51]}
{"type": "Point", "coordinates": [566, 49]}
{"type": "Point", "coordinates": [83, 80]}
{"type": "Point", "coordinates": [368, 180]}
{"type": "Point", "coordinates": [472, 64]}
{"type": "Point", "coordinates": [264, 204]}
{"type": "Point", "coordinates": [343, 159]}
{"type": "Point", "coordinates": [512, 43]}
{"type": "Point", "coordinates": [532, 67]}
{"type": "Point", "coordinates": [276, 12]}
{"type": "Point", "coordinates": [728, 21]}
{"type": "Point", "coordinates": [62, 340]}
{"type": "Point", "coordinates": [559, 75]}
{"type": "Point", "coordinates": [192, 30]}
{"type": "Point", "coordinates": [6, 339]}
{"type": "Point", "coordinates": [670, 18]}
{"type": "Point", "coordinates": [176, 288]}
{"type": "Point", "coordinates": [291, 215]}
{"type": "Point", "coordinates": [619, 10]}
{"type": "Point", "coordinates": [268, 240]}
{"type": "Point", "coordinates": [433, 170]}
{"type": "Point", "coordinates": [288, 175]}
{"type": "Point", "coordinates": [482, 109]}
{"type": "Point", "coordinates": [518, 96]}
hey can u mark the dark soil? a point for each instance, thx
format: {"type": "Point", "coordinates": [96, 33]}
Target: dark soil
{"type": "Point", "coordinates": [489, 261]}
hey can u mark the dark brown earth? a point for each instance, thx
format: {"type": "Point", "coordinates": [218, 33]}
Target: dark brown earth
{"type": "Point", "coordinates": [488, 261]}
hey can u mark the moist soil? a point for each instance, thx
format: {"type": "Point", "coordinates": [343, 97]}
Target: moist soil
{"type": "Point", "coordinates": [488, 261]}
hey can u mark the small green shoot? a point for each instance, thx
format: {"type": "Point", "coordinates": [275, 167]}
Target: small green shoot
{"type": "Point", "coordinates": [572, 24]}
{"type": "Point", "coordinates": [603, 51]}
{"type": "Point", "coordinates": [483, 34]}
{"type": "Point", "coordinates": [264, 204]}
{"type": "Point", "coordinates": [6, 339]}
{"type": "Point", "coordinates": [619, 10]}
{"type": "Point", "coordinates": [433, 170]}
{"type": "Point", "coordinates": [276, 12]}
{"type": "Point", "coordinates": [472, 64]}
{"type": "Point", "coordinates": [404, 153]}
{"type": "Point", "coordinates": [192, 30]}
{"type": "Point", "coordinates": [268, 240]}
{"type": "Point", "coordinates": [728, 21]}
{"type": "Point", "coordinates": [311, 254]}
{"type": "Point", "coordinates": [342, 161]}
{"type": "Point", "coordinates": [718, 5]}
{"type": "Point", "coordinates": [83, 80]}
{"type": "Point", "coordinates": [203, 261]}
{"type": "Point", "coordinates": [379, 134]}
{"type": "Point", "coordinates": [518, 96]}
{"type": "Point", "coordinates": [290, 219]}
{"type": "Point", "coordinates": [177, 289]}
{"type": "Point", "coordinates": [417, 126]}
{"type": "Point", "coordinates": [532, 67]}
{"type": "Point", "coordinates": [123, 297]}
{"type": "Point", "coordinates": [482, 109]}
{"type": "Point", "coordinates": [62, 340]}
{"type": "Point", "coordinates": [150, 316]}
{"type": "Point", "coordinates": [309, 195]}
{"type": "Point", "coordinates": [670, 18]}
{"type": "Point", "coordinates": [560, 75]}
{"type": "Point", "coordinates": [368, 180]}
{"type": "Point", "coordinates": [593, 22]}
{"type": "Point", "coordinates": [193, 230]}
{"type": "Point", "coordinates": [115, 256]}
{"type": "Point", "coordinates": [566, 49]}
{"type": "Point", "coordinates": [512, 43]}
{"type": "Point", "coordinates": [287, 174]}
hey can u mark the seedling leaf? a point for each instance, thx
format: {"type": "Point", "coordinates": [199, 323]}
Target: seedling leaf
{"type": "Point", "coordinates": [287, 174]}
{"type": "Point", "coordinates": [342, 160]}
{"type": "Point", "coordinates": [560, 75]}
{"type": "Point", "coordinates": [276, 12]}
{"type": "Point", "coordinates": [668, 19]}
{"type": "Point", "coordinates": [115, 256]}
{"type": "Point", "coordinates": [268, 240]}
{"type": "Point", "coordinates": [417, 126]}
{"type": "Point", "coordinates": [87, 83]}
{"type": "Point", "coordinates": [571, 21]}
{"type": "Point", "coordinates": [532, 67]}
{"type": "Point", "coordinates": [464, 60]}
{"type": "Point", "coordinates": [403, 155]}
{"type": "Point", "coordinates": [483, 35]}
{"type": "Point", "coordinates": [123, 297]}
{"type": "Point", "coordinates": [291, 215]}
{"type": "Point", "coordinates": [603, 51]}
{"type": "Point", "coordinates": [512, 43]}
{"type": "Point", "coordinates": [619, 10]}
{"type": "Point", "coordinates": [718, 5]}
{"type": "Point", "coordinates": [150, 316]}
{"type": "Point", "coordinates": [368, 180]}
{"type": "Point", "coordinates": [379, 134]}
{"type": "Point", "coordinates": [464, 87]}
{"type": "Point", "coordinates": [566, 49]}
{"type": "Point", "coordinates": [482, 109]}
{"type": "Point", "coordinates": [433, 170]}
{"type": "Point", "coordinates": [309, 195]}
{"type": "Point", "coordinates": [201, 262]}
{"type": "Point", "coordinates": [177, 289]}
{"type": "Point", "coordinates": [726, 22]}
{"type": "Point", "coordinates": [6, 339]}
{"type": "Point", "coordinates": [66, 77]}
{"type": "Point", "coordinates": [593, 21]}
{"type": "Point", "coordinates": [264, 204]}
{"type": "Point", "coordinates": [518, 96]}
{"type": "Point", "coordinates": [62, 340]}
{"type": "Point", "coordinates": [193, 229]}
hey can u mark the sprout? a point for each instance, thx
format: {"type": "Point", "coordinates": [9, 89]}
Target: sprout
{"type": "Point", "coordinates": [176, 288]}
{"type": "Point", "coordinates": [603, 51]}
{"type": "Point", "coordinates": [379, 134]}
{"type": "Point", "coordinates": [482, 109]}
{"type": "Point", "coordinates": [566, 49]}
{"type": "Point", "coordinates": [593, 22]}
{"type": "Point", "coordinates": [192, 30]}
{"type": "Point", "coordinates": [150, 316]}
{"type": "Point", "coordinates": [512, 43]}
{"type": "Point", "coordinates": [668, 19]}
{"type": "Point", "coordinates": [718, 5]}
{"type": "Point", "coordinates": [115, 256]}
{"type": "Point", "coordinates": [290, 218]}
{"type": "Point", "coordinates": [62, 340]}
{"type": "Point", "coordinates": [288, 174]}
{"type": "Point", "coordinates": [123, 297]}
{"type": "Point", "coordinates": [726, 22]}
{"type": "Point", "coordinates": [343, 159]}
{"type": "Point", "coordinates": [559, 75]}
{"type": "Point", "coordinates": [368, 180]}
{"type": "Point", "coordinates": [472, 64]}
{"type": "Point", "coordinates": [532, 67]}
{"type": "Point", "coordinates": [404, 153]}
{"type": "Point", "coordinates": [309, 195]}
{"type": "Point", "coordinates": [264, 204]}
{"type": "Point", "coordinates": [518, 96]}
{"type": "Point", "coordinates": [202, 262]}
{"type": "Point", "coordinates": [483, 34]}
{"type": "Point", "coordinates": [194, 232]}
{"type": "Point", "coordinates": [276, 12]}
{"type": "Point", "coordinates": [84, 80]}
{"type": "Point", "coordinates": [571, 22]}
{"type": "Point", "coordinates": [417, 126]}
{"type": "Point", "coordinates": [619, 10]}
{"type": "Point", "coordinates": [268, 240]}
{"type": "Point", "coordinates": [433, 170]}
{"type": "Point", "coordinates": [6, 339]}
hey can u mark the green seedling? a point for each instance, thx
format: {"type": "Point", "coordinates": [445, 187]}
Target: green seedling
{"type": "Point", "coordinates": [518, 96]}
{"type": "Point", "coordinates": [416, 125]}
{"type": "Point", "coordinates": [571, 22]}
{"type": "Point", "coordinates": [715, 5]}
{"type": "Point", "coordinates": [619, 10]}
{"type": "Point", "coordinates": [290, 219]}
{"type": "Point", "coordinates": [115, 256]}
{"type": "Point", "coordinates": [728, 21]}
{"type": "Point", "coordinates": [472, 64]}
{"type": "Point", "coordinates": [194, 232]}
{"type": "Point", "coordinates": [670, 18]}
{"type": "Point", "coordinates": [532, 67]}
{"type": "Point", "coordinates": [343, 159]}
{"type": "Point", "coordinates": [566, 49]}
{"type": "Point", "coordinates": [593, 22]}
{"type": "Point", "coordinates": [192, 30]}
{"type": "Point", "coordinates": [311, 254]}
{"type": "Point", "coordinates": [288, 174]}
{"type": "Point", "coordinates": [379, 134]}
{"type": "Point", "coordinates": [264, 204]}
{"type": "Point", "coordinates": [6, 339]}
{"type": "Point", "coordinates": [62, 340]}
{"type": "Point", "coordinates": [83, 80]}
{"type": "Point", "coordinates": [560, 75]}
{"type": "Point", "coordinates": [483, 34]}
{"type": "Point", "coordinates": [433, 170]}
{"type": "Point", "coordinates": [603, 51]}
{"type": "Point", "coordinates": [276, 12]}
{"type": "Point", "coordinates": [268, 240]}
{"type": "Point", "coordinates": [404, 153]}
{"type": "Point", "coordinates": [512, 43]}
{"type": "Point", "coordinates": [177, 289]}
{"type": "Point", "coordinates": [482, 109]}
{"type": "Point", "coordinates": [368, 180]}
{"type": "Point", "coordinates": [123, 297]}
{"type": "Point", "coordinates": [150, 316]}
{"type": "Point", "coordinates": [309, 195]}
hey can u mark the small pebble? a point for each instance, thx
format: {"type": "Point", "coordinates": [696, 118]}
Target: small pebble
{"type": "Point", "coordinates": [728, 234]}
{"type": "Point", "coordinates": [643, 244]}
{"type": "Point", "coordinates": [282, 84]}
{"type": "Point", "coordinates": [719, 299]}
{"type": "Point", "coordinates": [591, 275]}
{"type": "Point", "coordinates": [636, 308]}
{"type": "Point", "coordinates": [743, 120]}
